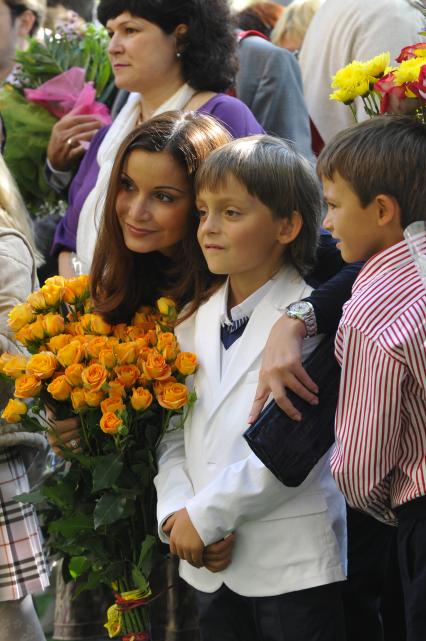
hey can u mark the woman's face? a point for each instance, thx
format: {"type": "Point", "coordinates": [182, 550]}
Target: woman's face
{"type": "Point", "coordinates": [143, 56]}
{"type": "Point", "coordinates": [154, 202]}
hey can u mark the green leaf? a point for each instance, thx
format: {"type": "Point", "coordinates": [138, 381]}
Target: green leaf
{"type": "Point", "coordinates": [145, 557]}
{"type": "Point", "coordinates": [109, 508]}
{"type": "Point", "coordinates": [60, 494]}
{"type": "Point", "coordinates": [78, 565]}
{"type": "Point", "coordinates": [139, 580]}
{"type": "Point", "coordinates": [106, 472]}
{"type": "Point", "coordinates": [30, 497]}
{"type": "Point", "coordinates": [69, 526]}
{"type": "Point", "coordinates": [93, 580]}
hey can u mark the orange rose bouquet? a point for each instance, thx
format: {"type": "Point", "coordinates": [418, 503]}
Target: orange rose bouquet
{"type": "Point", "coordinates": [125, 383]}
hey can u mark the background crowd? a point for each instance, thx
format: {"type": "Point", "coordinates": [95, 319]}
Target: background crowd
{"type": "Point", "coordinates": [233, 70]}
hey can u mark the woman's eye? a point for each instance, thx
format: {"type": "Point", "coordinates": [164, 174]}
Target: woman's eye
{"type": "Point", "coordinates": [130, 30]}
{"type": "Point", "coordinates": [164, 198]}
{"type": "Point", "coordinates": [110, 34]}
{"type": "Point", "coordinates": [126, 184]}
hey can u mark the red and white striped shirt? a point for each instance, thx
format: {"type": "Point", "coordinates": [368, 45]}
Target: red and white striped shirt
{"type": "Point", "coordinates": [379, 459]}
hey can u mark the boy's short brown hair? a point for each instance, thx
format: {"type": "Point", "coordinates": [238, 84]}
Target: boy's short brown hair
{"type": "Point", "coordinates": [385, 155]}
{"type": "Point", "coordinates": [274, 173]}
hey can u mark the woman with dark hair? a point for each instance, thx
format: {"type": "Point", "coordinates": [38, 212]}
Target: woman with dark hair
{"type": "Point", "coordinates": [172, 54]}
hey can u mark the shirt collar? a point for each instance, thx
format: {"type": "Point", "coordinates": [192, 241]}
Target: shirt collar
{"type": "Point", "coordinates": [389, 259]}
{"type": "Point", "coordinates": [247, 307]}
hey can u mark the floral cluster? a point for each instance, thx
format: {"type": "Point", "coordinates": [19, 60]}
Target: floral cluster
{"type": "Point", "coordinates": [385, 89]}
{"type": "Point", "coordinates": [79, 358]}
{"type": "Point", "coordinates": [125, 382]}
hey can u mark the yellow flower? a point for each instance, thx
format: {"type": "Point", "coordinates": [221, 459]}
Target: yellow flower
{"type": "Point", "coordinates": [127, 375]}
{"type": "Point", "coordinates": [408, 71]}
{"type": "Point", "coordinates": [59, 388]}
{"type": "Point", "coordinates": [36, 330]}
{"type": "Point", "coordinates": [15, 366]}
{"type": "Point", "coordinates": [57, 342]}
{"type": "Point", "coordinates": [53, 324]}
{"type": "Point", "coordinates": [94, 398]}
{"type": "Point", "coordinates": [42, 365]}
{"type": "Point", "coordinates": [166, 306]}
{"type": "Point", "coordinates": [14, 411]}
{"type": "Point", "coordinates": [95, 344]}
{"type": "Point", "coordinates": [112, 404]}
{"type": "Point", "coordinates": [186, 363]}
{"type": "Point", "coordinates": [107, 358]}
{"type": "Point", "coordinates": [78, 399]}
{"type": "Point", "coordinates": [120, 331]}
{"type": "Point", "coordinates": [24, 335]}
{"type": "Point", "coordinates": [116, 389]}
{"type": "Point", "coordinates": [166, 338]}
{"type": "Point", "coordinates": [94, 376]}
{"type": "Point", "coordinates": [125, 353]}
{"type": "Point", "coordinates": [110, 423]}
{"type": "Point", "coordinates": [114, 622]}
{"type": "Point", "coordinates": [76, 290]}
{"type": "Point", "coordinates": [20, 316]}
{"type": "Point", "coordinates": [70, 354]}
{"type": "Point", "coordinates": [58, 281]}
{"type": "Point", "coordinates": [99, 326]}
{"type": "Point", "coordinates": [155, 366]}
{"type": "Point", "coordinates": [5, 358]}
{"type": "Point", "coordinates": [52, 294]}
{"type": "Point", "coordinates": [377, 65]}
{"type": "Point", "coordinates": [141, 399]}
{"type": "Point", "coordinates": [73, 374]}
{"type": "Point", "coordinates": [173, 396]}
{"type": "Point", "coordinates": [37, 301]}
{"type": "Point", "coordinates": [27, 386]}
{"type": "Point", "coordinates": [353, 81]}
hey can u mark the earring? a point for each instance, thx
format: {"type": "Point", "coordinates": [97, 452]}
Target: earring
{"type": "Point", "coordinates": [178, 55]}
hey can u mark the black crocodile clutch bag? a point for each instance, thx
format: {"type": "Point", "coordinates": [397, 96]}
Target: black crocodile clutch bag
{"type": "Point", "coordinates": [290, 449]}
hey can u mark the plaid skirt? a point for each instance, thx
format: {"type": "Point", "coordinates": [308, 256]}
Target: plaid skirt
{"type": "Point", "coordinates": [23, 567]}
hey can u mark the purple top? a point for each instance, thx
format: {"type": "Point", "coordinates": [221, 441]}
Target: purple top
{"type": "Point", "coordinates": [231, 112]}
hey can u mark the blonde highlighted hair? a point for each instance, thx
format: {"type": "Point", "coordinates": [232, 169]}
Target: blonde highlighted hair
{"type": "Point", "coordinates": [294, 21]}
{"type": "Point", "coordinates": [13, 213]}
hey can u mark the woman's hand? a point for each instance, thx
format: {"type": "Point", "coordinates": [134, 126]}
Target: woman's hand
{"type": "Point", "coordinates": [64, 433]}
{"type": "Point", "coordinates": [282, 368]}
{"type": "Point", "coordinates": [64, 144]}
{"type": "Point", "coordinates": [65, 266]}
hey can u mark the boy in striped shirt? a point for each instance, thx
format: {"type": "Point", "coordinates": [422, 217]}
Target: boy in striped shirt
{"type": "Point", "coordinates": [374, 186]}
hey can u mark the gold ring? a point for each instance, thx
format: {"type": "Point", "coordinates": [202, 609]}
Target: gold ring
{"type": "Point", "coordinates": [74, 443]}
{"type": "Point", "coordinates": [70, 142]}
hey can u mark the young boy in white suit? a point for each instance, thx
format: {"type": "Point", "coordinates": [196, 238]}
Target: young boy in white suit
{"type": "Point", "coordinates": [276, 568]}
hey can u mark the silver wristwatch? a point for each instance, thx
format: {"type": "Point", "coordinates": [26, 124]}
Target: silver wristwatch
{"type": "Point", "coordinates": [305, 312]}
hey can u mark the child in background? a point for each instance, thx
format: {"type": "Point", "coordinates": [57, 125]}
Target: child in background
{"type": "Point", "coordinates": [374, 186]}
{"type": "Point", "coordinates": [259, 207]}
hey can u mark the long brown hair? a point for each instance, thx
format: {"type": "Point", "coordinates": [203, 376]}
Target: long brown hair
{"type": "Point", "coordinates": [123, 280]}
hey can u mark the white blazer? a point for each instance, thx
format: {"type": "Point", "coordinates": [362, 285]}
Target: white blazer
{"type": "Point", "coordinates": [287, 539]}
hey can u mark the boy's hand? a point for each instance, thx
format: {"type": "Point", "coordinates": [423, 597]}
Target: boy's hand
{"type": "Point", "coordinates": [217, 556]}
{"type": "Point", "coordinates": [184, 538]}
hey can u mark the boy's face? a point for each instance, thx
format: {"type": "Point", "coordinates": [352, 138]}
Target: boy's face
{"type": "Point", "coordinates": [354, 226]}
{"type": "Point", "coordinates": [238, 235]}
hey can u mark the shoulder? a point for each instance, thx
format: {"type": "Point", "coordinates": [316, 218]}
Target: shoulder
{"type": "Point", "coordinates": [14, 248]}
{"type": "Point", "coordinates": [233, 114]}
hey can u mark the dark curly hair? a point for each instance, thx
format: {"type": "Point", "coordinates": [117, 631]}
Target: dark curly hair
{"type": "Point", "coordinates": [209, 58]}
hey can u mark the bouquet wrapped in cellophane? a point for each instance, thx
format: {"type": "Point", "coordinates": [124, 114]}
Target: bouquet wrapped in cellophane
{"type": "Point", "coordinates": [125, 383]}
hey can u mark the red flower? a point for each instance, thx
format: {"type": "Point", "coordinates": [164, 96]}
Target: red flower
{"type": "Point", "coordinates": [408, 52]}
{"type": "Point", "coordinates": [393, 97]}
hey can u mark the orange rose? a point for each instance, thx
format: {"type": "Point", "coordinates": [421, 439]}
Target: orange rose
{"type": "Point", "coordinates": [24, 336]}
{"type": "Point", "coordinates": [73, 374]}
{"type": "Point", "coordinates": [58, 281]}
{"type": "Point", "coordinates": [166, 338]}
{"type": "Point", "coordinates": [36, 330]}
{"type": "Point", "coordinates": [170, 353]}
{"type": "Point", "coordinates": [135, 333]}
{"type": "Point", "coordinates": [127, 375]}
{"type": "Point", "coordinates": [155, 366]}
{"type": "Point", "coordinates": [120, 331]}
{"type": "Point", "coordinates": [125, 353]}
{"type": "Point", "coordinates": [14, 411]}
{"type": "Point", "coordinates": [173, 396]}
{"type": "Point", "coordinates": [20, 316]}
{"type": "Point", "coordinates": [141, 399]}
{"type": "Point", "coordinates": [78, 399]}
{"type": "Point", "coordinates": [76, 290]}
{"type": "Point", "coordinates": [99, 326]}
{"type": "Point", "coordinates": [59, 388]}
{"type": "Point", "coordinates": [116, 389]}
{"type": "Point", "coordinates": [160, 385]}
{"type": "Point", "coordinates": [95, 344]}
{"type": "Point", "coordinates": [110, 423]}
{"type": "Point", "coordinates": [27, 386]}
{"type": "Point", "coordinates": [75, 328]}
{"type": "Point", "coordinates": [186, 363]}
{"type": "Point", "coordinates": [52, 294]}
{"type": "Point", "coordinates": [15, 366]}
{"type": "Point", "coordinates": [37, 301]}
{"type": "Point", "coordinates": [107, 358]}
{"type": "Point", "coordinates": [94, 376]}
{"type": "Point", "coordinates": [42, 365]}
{"type": "Point", "coordinates": [167, 307]}
{"type": "Point", "coordinates": [53, 324]}
{"type": "Point", "coordinates": [151, 337]}
{"type": "Point", "coordinates": [70, 354]}
{"type": "Point", "coordinates": [93, 399]}
{"type": "Point", "coordinates": [112, 404]}
{"type": "Point", "coordinates": [59, 341]}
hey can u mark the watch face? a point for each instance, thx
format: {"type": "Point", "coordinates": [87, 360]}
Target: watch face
{"type": "Point", "coordinates": [300, 308]}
